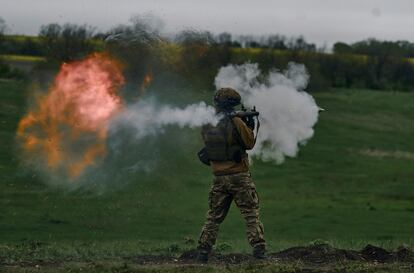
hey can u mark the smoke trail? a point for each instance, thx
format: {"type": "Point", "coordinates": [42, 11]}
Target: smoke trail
{"type": "Point", "coordinates": [287, 113]}
{"type": "Point", "coordinates": [148, 118]}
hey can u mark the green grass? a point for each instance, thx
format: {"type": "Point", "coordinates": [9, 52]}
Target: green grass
{"type": "Point", "coordinates": [21, 38]}
{"type": "Point", "coordinates": [341, 188]}
{"type": "Point", "coordinates": [21, 58]}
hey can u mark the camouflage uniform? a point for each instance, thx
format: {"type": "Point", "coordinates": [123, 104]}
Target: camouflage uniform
{"type": "Point", "coordinates": [232, 179]}
{"type": "Point", "coordinates": [226, 188]}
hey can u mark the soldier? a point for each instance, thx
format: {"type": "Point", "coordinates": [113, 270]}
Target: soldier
{"type": "Point", "coordinates": [225, 150]}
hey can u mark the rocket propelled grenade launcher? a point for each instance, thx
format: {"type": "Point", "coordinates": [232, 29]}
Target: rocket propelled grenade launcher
{"type": "Point", "coordinates": [245, 113]}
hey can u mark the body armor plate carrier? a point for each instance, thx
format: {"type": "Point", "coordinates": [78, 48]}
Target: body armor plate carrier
{"type": "Point", "coordinates": [223, 142]}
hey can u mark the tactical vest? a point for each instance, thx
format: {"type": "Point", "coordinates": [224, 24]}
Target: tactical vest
{"type": "Point", "coordinates": [222, 142]}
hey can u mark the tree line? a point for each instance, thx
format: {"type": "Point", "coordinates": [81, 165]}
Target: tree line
{"type": "Point", "coordinates": [197, 55]}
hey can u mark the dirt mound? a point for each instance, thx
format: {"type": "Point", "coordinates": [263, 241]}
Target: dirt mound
{"type": "Point", "coordinates": [377, 254]}
{"type": "Point", "coordinates": [322, 253]}
{"type": "Point", "coordinates": [315, 254]}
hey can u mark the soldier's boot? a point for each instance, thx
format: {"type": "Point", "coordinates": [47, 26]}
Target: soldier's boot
{"type": "Point", "coordinates": [202, 255]}
{"type": "Point", "coordinates": [259, 252]}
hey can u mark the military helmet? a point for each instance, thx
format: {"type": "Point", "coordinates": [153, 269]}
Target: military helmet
{"type": "Point", "coordinates": [226, 98]}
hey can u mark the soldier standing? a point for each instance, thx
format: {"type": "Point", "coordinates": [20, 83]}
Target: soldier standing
{"type": "Point", "coordinates": [225, 150]}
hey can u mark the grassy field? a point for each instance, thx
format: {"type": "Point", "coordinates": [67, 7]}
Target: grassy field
{"type": "Point", "coordinates": [352, 184]}
{"type": "Point", "coordinates": [21, 58]}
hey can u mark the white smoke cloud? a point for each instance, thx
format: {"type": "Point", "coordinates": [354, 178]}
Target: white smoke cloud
{"type": "Point", "coordinates": [287, 113]}
{"type": "Point", "coordinates": [148, 118]}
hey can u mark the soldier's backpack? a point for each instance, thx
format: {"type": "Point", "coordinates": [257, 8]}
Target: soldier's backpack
{"type": "Point", "coordinates": [222, 142]}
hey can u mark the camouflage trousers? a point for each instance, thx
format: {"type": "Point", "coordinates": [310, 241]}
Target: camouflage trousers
{"type": "Point", "coordinates": [226, 188]}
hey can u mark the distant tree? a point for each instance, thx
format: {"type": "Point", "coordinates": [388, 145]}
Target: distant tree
{"type": "Point", "coordinates": [374, 47]}
{"type": "Point", "coordinates": [193, 37]}
{"type": "Point", "coordinates": [300, 44]}
{"type": "Point", "coordinates": [66, 42]}
{"type": "Point", "coordinates": [51, 31]}
{"type": "Point", "coordinates": [250, 41]}
{"type": "Point", "coordinates": [224, 38]}
{"type": "Point", "coordinates": [341, 48]}
{"type": "Point", "coordinates": [3, 28]}
{"type": "Point", "coordinates": [276, 41]}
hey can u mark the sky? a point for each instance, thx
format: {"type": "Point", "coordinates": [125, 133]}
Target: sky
{"type": "Point", "coordinates": [320, 21]}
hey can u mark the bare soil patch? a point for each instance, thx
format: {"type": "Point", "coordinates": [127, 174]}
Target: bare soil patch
{"type": "Point", "coordinates": [317, 254]}
{"type": "Point", "coordinates": [320, 258]}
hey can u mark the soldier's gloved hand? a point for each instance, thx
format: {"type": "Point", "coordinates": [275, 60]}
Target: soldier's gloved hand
{"type": "Point", "coordinates": [250, 122]}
